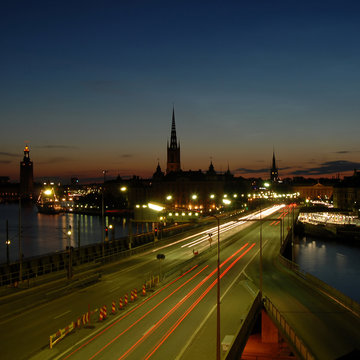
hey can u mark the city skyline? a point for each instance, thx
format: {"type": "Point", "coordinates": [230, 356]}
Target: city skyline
{"type": "Point", "coordinates": [91, 87]}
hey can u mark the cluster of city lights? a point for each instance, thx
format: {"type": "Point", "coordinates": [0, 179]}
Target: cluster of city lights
{"type": "Point", "coordinates": [328, 218]}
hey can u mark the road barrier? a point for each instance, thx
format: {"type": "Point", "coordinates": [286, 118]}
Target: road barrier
{"type": "Point", "coordinates": [102, 313]}
{"type": "Point", "coordinates": [55, 338]}
{"type": "Point", "coordinates": [143, 290]}
{"type": "Point", "coordinates": [154, 280]}
{"type": "Point", "coordinates": [132, 296]}
{"type": "Point", "coordinates": [135, 294]}
{"type": "Point", "coordinates": [113, 308]}
{"type": "Point", "coordinates": [81, 320]}
{"type": "Point", "coordinates": [120, 303]}
{"type": "Point", "coordinates": [125, 299]}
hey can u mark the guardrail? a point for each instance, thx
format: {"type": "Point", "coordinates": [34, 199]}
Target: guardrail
{"type": "Point", "coordinates": [238, 345]}
{"type": "Point", "coordinates": [297, 344]}
{"type": "Point", "coordinates": [321, 286]}
{"type": "Point", "coordinates": [91, 255]}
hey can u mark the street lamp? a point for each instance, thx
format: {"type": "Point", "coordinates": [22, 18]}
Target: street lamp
{"type": "Point", "coordinates": [7, 242]}
{"type": "Point", "coordinates": [112, 229]}
{"type": "Point", "coordinates": [218, 290]}
{"type": "Point", "coordinates": [69, 249]}
{"type": "Point", "coordinates": [103, 217]}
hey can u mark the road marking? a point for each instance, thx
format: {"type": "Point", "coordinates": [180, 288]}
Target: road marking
{"type": "Point", "coordinates": [151, 327]}
{"type": "Point", "coordinates": [212, 310]}
{"type": "Point", "coordinates": [59, 316]}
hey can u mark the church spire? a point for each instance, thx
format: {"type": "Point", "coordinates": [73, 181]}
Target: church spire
{"type": "Point", "coordinates": [273, 161]}
{"type": "Point", "coordinates": [173, 151]}
{"type": "Point", "coordinates": [274, 173]}
{"type": "Point", "coordinates": [173, 139]}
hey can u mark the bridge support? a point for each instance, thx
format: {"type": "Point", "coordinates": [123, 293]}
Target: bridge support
{"type": "Point", "coordinates": [269, 332]}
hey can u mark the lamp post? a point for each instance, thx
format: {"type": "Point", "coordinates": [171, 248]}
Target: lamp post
{"type": "Point", "coordinates": [218, 294]}
{"type": "Point", "coordinates": [103, 218]}
{"type": "Point", "coordinates": [112, 230]}
{"type": "Point", "coordinates": [69, 249]}
{"type": "Point", "coordinates": [261, 269]}
{"type": "Point", "coordinates": [20, 250]}
{"type": "Point", "coordinates": [7, 242]}
{"type": "Point", "coordinates": [217, 290]}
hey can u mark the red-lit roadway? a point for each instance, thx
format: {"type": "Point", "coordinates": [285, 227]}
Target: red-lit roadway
{"type": "Point", "coordinates": [165, 323]}
{"type": "Point", "coordinates": [33, 327]}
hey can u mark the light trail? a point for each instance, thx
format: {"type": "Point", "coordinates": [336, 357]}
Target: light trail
{"type": "Point", "coordinates": [148, 312]}
{"type": "Point", "coordinates": [191, 308]}
{"type": "Point", "coordinates": [128, 313]}
{"type": "Point", "coordinates": [231, 225]}
{"type": "Point", "coordinates": [187, 296]}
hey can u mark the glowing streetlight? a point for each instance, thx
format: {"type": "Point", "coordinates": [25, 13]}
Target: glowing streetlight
{"type": "Point", "coordinates": [155, 207]}
{"type": "Point", "coordinates": [69, 250]}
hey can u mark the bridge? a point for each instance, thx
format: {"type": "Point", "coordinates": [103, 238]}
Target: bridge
{"type": "Point", "coordinates": [177, 320]}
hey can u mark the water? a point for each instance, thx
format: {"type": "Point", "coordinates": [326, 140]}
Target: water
{"type": "Point", "coordinates": [334, 262]}
{"type": "Point", "coordinates": [42, 233]}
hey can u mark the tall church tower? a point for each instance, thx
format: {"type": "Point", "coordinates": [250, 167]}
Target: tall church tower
{"type": "Point", "coordinates": [173, 151]}
{"type": "Point", "coordinates": [274, 173]}
{"type": "Point", "coordinates": [26, 175]}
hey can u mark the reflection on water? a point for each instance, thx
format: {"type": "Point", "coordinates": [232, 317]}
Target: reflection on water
{"type": "Point", "coordinates": [42, 233]}
{"type": "Point", "coordinates": [334, 262]}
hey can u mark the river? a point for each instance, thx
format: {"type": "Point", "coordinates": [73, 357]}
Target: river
{"type": "Point", "coordinates": [335, 263]}
{"type": "Point", "coordinates": [42, 233]}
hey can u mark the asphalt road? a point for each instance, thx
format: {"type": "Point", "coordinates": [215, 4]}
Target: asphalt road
{"type": "Point", "coordinates": [32, 327]}
{"type": "Point", "coordinates": [177, 320]}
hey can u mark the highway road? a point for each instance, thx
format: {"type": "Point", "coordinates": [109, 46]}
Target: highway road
{"type": "Point", "coordinates": [178, 319]}
{"type": "Point", "coordinates": [34, 326]}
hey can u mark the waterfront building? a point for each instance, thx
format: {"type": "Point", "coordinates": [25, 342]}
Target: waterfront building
{"type": "Point", "coordinates": [314, 191]}
{"type": "Point", "coordinates": [347, 193]}
{"type": "Point", "coordinates": [26, 175]}
{"type": "Point", "coordinates": [8, 191]}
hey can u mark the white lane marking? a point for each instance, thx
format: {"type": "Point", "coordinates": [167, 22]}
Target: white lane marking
{"type": "Point", "coordinates": [212, 310]}
{"type": "Point", "coordinates": [59, 316]}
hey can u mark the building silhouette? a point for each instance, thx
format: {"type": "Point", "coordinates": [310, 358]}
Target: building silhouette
{"type": "Point", "coordinates": [173, 150]}
{"type": "Point", "coordinates": [274, 173]}
{"type": "Point", "coordinates": [200, 190]}
{"type": "Point", "coordinates": [26, 176]}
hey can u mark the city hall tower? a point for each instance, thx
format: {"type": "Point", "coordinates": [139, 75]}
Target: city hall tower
{"type": "Point", "coordinates": [26, 175]}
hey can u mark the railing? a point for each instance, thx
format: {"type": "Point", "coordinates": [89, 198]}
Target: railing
{"type": "Point", "coordinates": [294, 340]}
{"type": "Point", "coordinates": [239, 342]}
{"type": "Point", "coordinates": [328, 290]}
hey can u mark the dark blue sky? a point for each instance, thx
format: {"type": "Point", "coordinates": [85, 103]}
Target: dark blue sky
{"type": "Point", "coordinates": [91, 85]}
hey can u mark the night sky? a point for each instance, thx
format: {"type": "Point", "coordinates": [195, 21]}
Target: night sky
{"type": "Point", "coordinates": [91, 85]}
